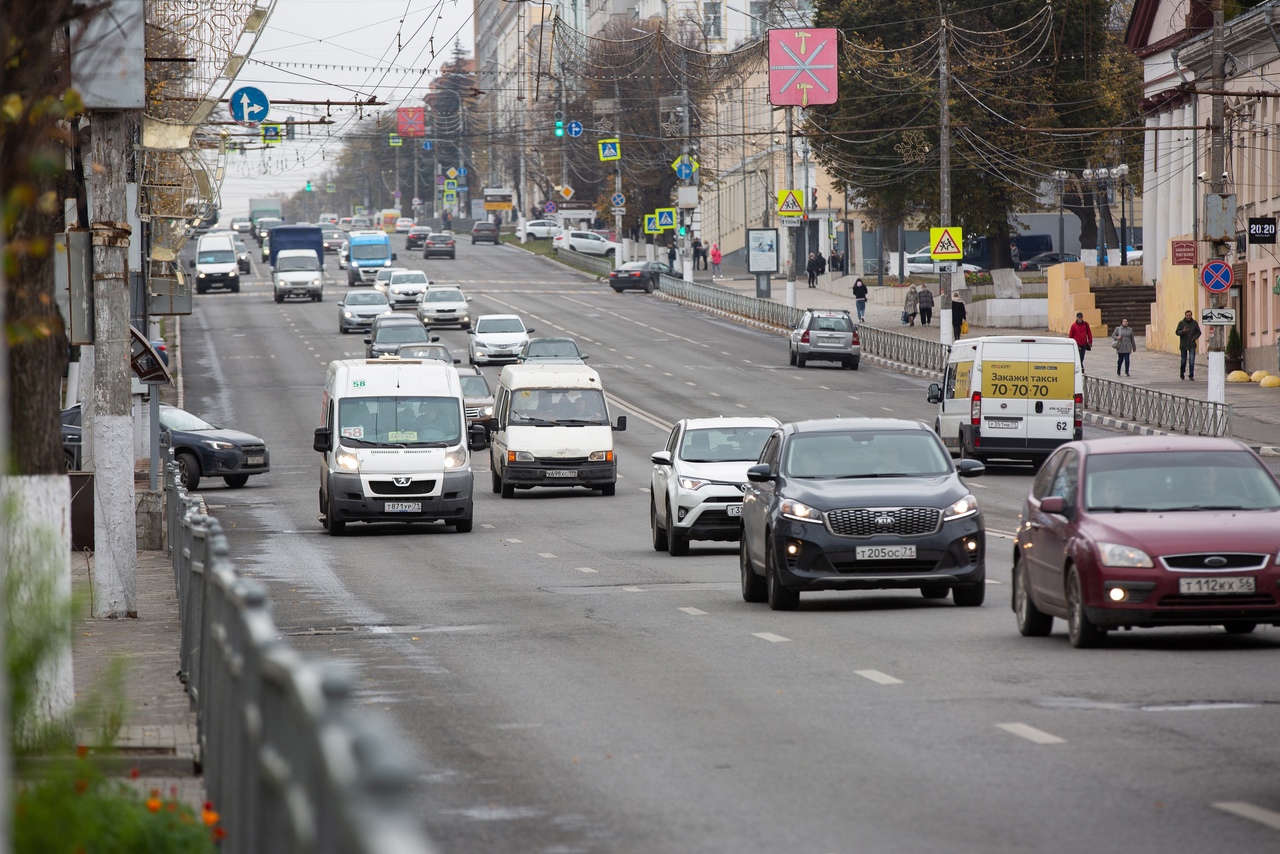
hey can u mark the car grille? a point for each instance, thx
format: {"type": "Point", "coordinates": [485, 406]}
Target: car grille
{"type": "Point", "coordinates": [876, 521]}
{"type": "Point", "coordinates": [415, 487]}
{"type": "Point", "coordinates": [472, 411]}
{"type": "Point", "coordinates": [253, 450]}
{"type": "Point", "coordinates": [560, 462]}
{"type": "Point", "coordinates": [1221, 561]}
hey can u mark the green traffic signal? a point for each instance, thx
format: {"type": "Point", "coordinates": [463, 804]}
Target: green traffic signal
{"type": "Point", "coordinates": [559, 128]}
{"type": "Point", "coordinates": [309, 187]}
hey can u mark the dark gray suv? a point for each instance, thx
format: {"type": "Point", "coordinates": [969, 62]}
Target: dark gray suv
{"type": "Point", "coordinates": [860, 504]}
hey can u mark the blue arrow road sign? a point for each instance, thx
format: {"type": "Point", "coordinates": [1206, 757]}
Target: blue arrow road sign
{"type": "Point", "coordinates": [426, 145]}
{"type": "Point", "coordinates": [575, 129]}
{"type": "Point", "coordinates": [249, 106]}
{"type": "Point", "coordinates": [618, 200]}
{"type": "Point", "coordinates": [684, 171]}
{"type": "Point", "coordinates": [1216, 276]}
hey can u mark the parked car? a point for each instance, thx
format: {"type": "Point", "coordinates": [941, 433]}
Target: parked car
{"type": "Point", "coordinates": [162, 350]}
{"type": "Point", "coordinates": [1147, 532]}
{"type": "Point", "coordinates": [541, 229]}
{"type": "Point", "coordinates": [429, 352]}
{"type": "Point", "coordinates": [405, 287]}
{"type": "Point", "coordinates": [389, 331]}
{"type": "Point", "coordinates": [562, 351]}
{"type": "Point", "coordinates": [607, 234]}
{"type": "Point", "coordinates": [639, 274]}
{"type": "Point", "coordinates": [359, 307]}
{"type": "Point", "coordinates": [921, 262]}
{"type": "Point", "coordinates": [1047, 259]}
{"type": "Point", "coordinates": [860, 504]}
{"type": "Point", "coordinates": [417, 236]}
{"type": "Point", "coordinates": [586, 242]}
{"type": "Point", "coordinates": [826, 334]}
{"type": "Point", "coordinates": [444, 305]}
{"type": "Point", "coordinates": [478, 398]}
{"type": "Point", "coordinates": [404, 225]}
{"type": "Point", "coordinates": [699, 478]}
{"type": "Point", "coordinates": [496, 338]}
{"type": "Point", "coordinates": [440, 246]}
{"type": "Point", "coordinates": [486, 231]}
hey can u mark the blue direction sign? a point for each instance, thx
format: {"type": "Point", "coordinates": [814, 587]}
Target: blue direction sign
{"type": "Point", "coordinates": [684, 171]}
{"type": "Point", "coordinates": [462, 170]}
{"type": "Point", "coordinates": [618, 200]}
{"type": "Point", "coordinates": [549, 207]}
{"type": "Point", "coordinates": [574, 128]}
{"type": "Point", "coordinates": [249, 106]}
{"type": "Point", "coordinates": [426, 145]}
{"type": "Point", "coordinates": [1216, 276]}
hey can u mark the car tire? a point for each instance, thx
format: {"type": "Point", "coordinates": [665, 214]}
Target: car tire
{"type": "Point", "coordinates": [648, 286]}
{"type": "Point", "coordinates": [1240, 628]}
{"type": "Point", "coordinates": [972, 596]}
{"type": "Point", "coordinates": [659, 532]}
{"type": "Point", "coordinates": [677, 546]}
{"type": "Point", "coordinates": [753, 586]}
{"type": "Point", "coordinates": [609, 489]}
{"type": "Point", "coordinates": [464, 525]}
{"type": "Point", "coordinates": [965, 453]}
{"type": "Point", "coordinates": [336, 528]}
{"type": "Point", "coordinates": [508, 490]}
{"type": "Point", "coordinates": [935, 591]}
{"type": "Point", "coordinates": [1082, 633]}
{"type": "Point", "coordinates": [780, 598]}
{"type": "Point", "coordinates": [319, 297]}
{"type": "Point", "coordinates": [188, 471]}
{"type": "Point", "coordinates": [1032, 622]}
{"type": "Point", "coordinates": [69, 460]}
{"type": "Point", "coordinates": [495, 482]}
{"type": "Point", "coordinates": [801, 361]}
{"type": "Point", "coordinates": [279, 298]}
{"type": "Point", "coordinates": [236, 481]}
{"type": "Point", "coordinates": [853, 363]}
{"type": "Point", "coordinates": [235, 289]}
{"type": "Point", "coordinates": [791, 357]}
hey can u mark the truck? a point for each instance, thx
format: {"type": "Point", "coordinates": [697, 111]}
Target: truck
{"type": "Point", "coordinates": [296, 237]}
{"type": "Point", "coordinates": [259, 208]}
{"type": "Point", "coordinates": [367, 253]}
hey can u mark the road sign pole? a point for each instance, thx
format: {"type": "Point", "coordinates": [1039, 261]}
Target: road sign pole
{"type": "Point", "coordinates": [618, 259]}
{"type": "Point", "coordinates": [788, 244]}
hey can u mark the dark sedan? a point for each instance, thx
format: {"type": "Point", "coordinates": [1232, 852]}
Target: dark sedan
{"type": "Point", "coordinates": [439, 246]}
{"type": "Point", "coordinates": [860, 504]}
{"type": "Point", "coordinates": [639, 274]}
{"type": "Point", "coordinates": [1047, 259]}
{"type": "Point", "coordinates": [1143, 532]}
{"type": "Point", "coordinates": [199, 448]}
{"type": "Point", "coordinates": [416, 237]}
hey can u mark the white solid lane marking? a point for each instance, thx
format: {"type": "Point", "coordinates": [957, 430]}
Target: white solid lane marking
{"type": "Point", "coordinates": [547, 555]}
{"type": "Point", "coordinates": [714, 393]}
{"type": "Point", "coordinates": [694, 612]}
{"type": "Point", "coordinates": [1246, 810]}
{"type": "Point", "coordinates": [877, 677]}
{"type": "Point", "coordinates": [667, 374]}
{"type": "Point", "coordinates": [770, 637]}
{"type": "Point", "coordinates": [992, 581]}
{"type": "Point", "coordinates": [514, 540]}
{"type": "Point", "coordinates": [824, 388]}
{"type": "Point", "coordinates": [1032, 734]}
{"type": "Point", "coordinates": [586, 569]}
{"type": "Point", "coordinates": [686, 382]}
{"type": "Point", "coordinates": [886, 409]}
{"type": "Point", "coordinates": [980, 486]}
{"type": "Point", "coordinates": [632, 589]}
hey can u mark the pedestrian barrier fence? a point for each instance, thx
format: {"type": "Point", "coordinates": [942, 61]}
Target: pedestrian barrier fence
{"type": "Point", "coordinates": [290, 765]}
{"type": "Point", "coordinates": [1172, 412]}
{"type": "Point", "coordinates": [585, 263]}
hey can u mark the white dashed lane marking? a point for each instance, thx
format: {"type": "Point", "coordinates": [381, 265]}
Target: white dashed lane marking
{"type": "Point", "coordinates": [771, 637]}
{"type": "Point", "coordinates": [877, 677]}
{"type": "Point", "coordinates": [694, 612]}
{"type": "Point", "coordinates": [514, 540]}
{"type": "Point", "coordinates": [1261, 815]}
{"type": "Point", "coordinates": [547, 555]}
{"type": "Point", "coordinates": [587, 569]}
{"type": "Point", "coordinates": [1030, 733]}
{"type": "Point", "coordinates": [632, 589]}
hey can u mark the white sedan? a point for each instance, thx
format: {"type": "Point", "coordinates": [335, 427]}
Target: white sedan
{"type": "Point", "coordinates": [922, 263]}
{"type": "Point", "coordinates": [586, 242]}
{"type": "Point", "coordinates": [403, 224]}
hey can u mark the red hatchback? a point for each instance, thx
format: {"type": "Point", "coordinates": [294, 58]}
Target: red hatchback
{"type": "Point", "coordinates": [1147, 532]}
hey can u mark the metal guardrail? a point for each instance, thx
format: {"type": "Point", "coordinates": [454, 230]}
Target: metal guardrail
{"type": "Point", "coordinates": [765, 311]}
{"type": "Point", "coordinates": [585, 263]}
{"type": "Point", "coordinates": [286, 760]}
{"type": "Point", "coordinates": [904, 349]}
{"type": "Point", "coordinates": [1173, 412]}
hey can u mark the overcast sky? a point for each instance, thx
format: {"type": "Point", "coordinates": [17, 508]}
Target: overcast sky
{"type": "Point", "coordinates": [337, 50]}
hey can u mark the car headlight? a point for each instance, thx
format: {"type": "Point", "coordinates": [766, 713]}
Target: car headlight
{"type": "Point", "coordinates": [386, 263]}
{"type": "Point", "coordinates": [219, 446]}
{"type": "Point", "coordinates": [346, 460]}
{"type": "Point", "coordinates": [456, 458]}
{"type": "Point", "coordinates": [519, 457]}
{"type": "Point", "coordinates": [315, 282]}
{"type": "Point", "coordinates": [966, 506]}
{"type": "Point", "coordinates": [600, 457]}
{"type": "Point", "coordinates": [692, 482]}
{"type": "Point", "coordinates": [1118, 554]}
{"type": "Point", "coordinates": [347, 314]}
{"type": "Point", "coordinates": [200, 275]}
{"type": "Point", "coordinates": [799, 511]}
{"type": "Point", "coordinates": [233, 274]}
{"type": "Point", "coordinates": [486, 411]}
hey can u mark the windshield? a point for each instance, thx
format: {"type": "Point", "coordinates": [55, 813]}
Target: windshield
{"type": "Point", "coordinates": [828, 323]}
{"type": "Point", "coordinates": [406, 334]}
{"type": "Point", "coordinates": [335, 235]}
{"type": "Point", "coordinates": [866, 454]}
{"type": "Point", "coordinates": [413, 278]}
{"type": "Point", "coordinates": [369, 251]}
{"type": "Point", "coordinates": [216, 256]}
{"type": "Point", "coordinates": [399, 421]}
{"type": "Point", "coordinates": [474, 387]}
{"type": "Point", "coordinates": [374, 298]}
{"type": "Point", "coordinates": [436, 352]}
{"type": "Point", "coordinates": [723, 444]}
{"type": "Point", "coordinates": [1168, 480]}
{"type": "Point", "coordinates": [439, 238]}
{"type": "Point", "coordinates": [180, 419]}
{"type": "Point", "coordinates": [295, 263]}
{"type": "Point", "coordinates": [548, 407]}
{"type": "Point", "coordinates": [552, 348]}
{"type": "Point", "coordinates": [509, 324]}
{"type": "Point", "coordinates": [445, 296]}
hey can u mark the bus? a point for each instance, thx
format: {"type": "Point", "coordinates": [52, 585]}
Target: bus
{"type": "Point", "coordinates": [387, 219]}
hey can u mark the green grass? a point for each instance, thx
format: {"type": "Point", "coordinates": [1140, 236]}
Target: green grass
{"type": "Point", "coordinates": [537, 247]}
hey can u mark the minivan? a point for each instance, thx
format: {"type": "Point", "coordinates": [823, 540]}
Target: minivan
{"type": "Point", "coordinates": [216, 263]}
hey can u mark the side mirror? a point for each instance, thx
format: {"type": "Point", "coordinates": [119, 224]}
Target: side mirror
{"type": "Point", "coordinates": [760, 473]}
{"type": "Point", "coordinates": [435, 339]}
{"type": "Point", "coordinates": [393, 256]}
{"type": "Point", "coordinates": [935, 393]}
{"type": "Point", "coordinates": [457, 361]}
{"type": "Point", "coordinates": [191, 263]}
{"type": "Point", "coordinates": [622, 424]}
{"type": "Point", "coordinates": [583, 356]}
{"type": "Point", "coordinates": [970, 468]}
{"type": "Point", "coordinates": [477, 436]}
{"type": "Point", "coordinates": [661, 458]}
{"type": "Point", "coordinates": [1054, 504]}
{"type": "Point", "coordinates": [471, 331]}
{"type": "Point", "coordinates": [368, 340]}
{"type": "Point", "coordinates": [323, 441]}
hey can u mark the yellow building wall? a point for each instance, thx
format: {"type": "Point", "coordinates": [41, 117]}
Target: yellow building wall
{"type": "Point", "coordinates": [1069, 293]}
{"type": "Point", "coordinates": [1177, 290]}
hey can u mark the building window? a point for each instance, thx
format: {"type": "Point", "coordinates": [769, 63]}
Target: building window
{"type": "Point", "coordinates": [711, 21]}
{"type": "Point", "coordinates": [759, 11]}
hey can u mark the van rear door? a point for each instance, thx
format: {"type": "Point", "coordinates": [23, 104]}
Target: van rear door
{"type": "Point", "coordinates": [1028, 392]}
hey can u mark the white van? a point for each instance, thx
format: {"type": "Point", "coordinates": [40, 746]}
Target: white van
{"type": "Point", "coordinates": [298, 274]}
{"type": "Point", "coordinates": [551, 428]}
{"type": "Point", "coordinates": [216, 263]}
{"type": "Point", "coordinates": [395, 444]}
{"type": "Point", "coordinates": [1009, 397]}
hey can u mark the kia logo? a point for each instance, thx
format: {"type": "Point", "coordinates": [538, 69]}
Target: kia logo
{"type": "Point", "coordinates": [884, 521]}
{"type": "Point", "coordinates": [1215, 561]}
{"type": "Point", "coordinates": [402, 481]}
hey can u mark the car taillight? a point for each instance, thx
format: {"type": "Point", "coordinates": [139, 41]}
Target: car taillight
{"type": "Point", "coordinates": [975, 409]}
{"type": "Point", "coordinates": [856, 340]}
{"type": "Point", "coordinates": [804, 337]}
{"type": "Point", "coordinates": [1079, 411]}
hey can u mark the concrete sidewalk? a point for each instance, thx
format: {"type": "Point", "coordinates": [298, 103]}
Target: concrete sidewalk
{"type": "Point", "coordinates": [1255, 410]}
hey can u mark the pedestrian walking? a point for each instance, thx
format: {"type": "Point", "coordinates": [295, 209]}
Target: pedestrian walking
{"type": "Point", "coordinates": [860, 298]}
{"type": "Point", "coordinates": [822, 263]}
{"type": "Point", "coordinates": [716, 258]}
{"type": "Point", "coordinates": [671, 254]}
{"type": "Point", "coordinates": [697, 252]}
{"type": "Point", "coordinates": [837, 262]}
{"type": "Point", "coordinates": [925, 298]}
{"type": "Point", "coordinates": [1188, 333]}
{"type": "Point", "coordinates": [812, 269]}
{"type": "Point", "coordinates": [1082, 335]}
{"type": "Point", "coordinates": [959, 317]}
{"type": "Point", "coordinates": [910, 306]}
{"type": "Point", "coordinates": [1122, 340]}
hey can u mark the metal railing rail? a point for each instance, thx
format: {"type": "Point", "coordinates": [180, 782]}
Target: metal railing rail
{"type": "Point", "coordinates": [723, 299]}
{"type": "Point", "coordinates": [286, 759]}
{"type": "Point", "coordinates": [904, 349]}
{"type": "Point", "coordinates": [585, 263]}
{"type": "Point", "coordinates": [1173, 412]}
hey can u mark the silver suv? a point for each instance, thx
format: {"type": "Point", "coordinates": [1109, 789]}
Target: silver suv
{"type": "Point", "coordinates": [828, 334]}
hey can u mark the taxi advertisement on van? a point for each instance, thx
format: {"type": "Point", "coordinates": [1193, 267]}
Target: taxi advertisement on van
{"type": "Point", "coordinates": [1038, 381]}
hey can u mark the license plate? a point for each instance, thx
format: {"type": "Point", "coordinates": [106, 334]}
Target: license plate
{"type": "Point", "coordinates": [562, 472]}
{"type": "Point", "coordinates": [1006, 425]}
{"type": "Point", "coordinates": [1216, 586]}
{"type": "Point", "coordinates": [734, 509]}
{"type": "Point", "coordinates": [403, 507]}
{"type": "Point", "coordinates": [254, 461]}
{"type": "Point", "coordinates": [886, 552]}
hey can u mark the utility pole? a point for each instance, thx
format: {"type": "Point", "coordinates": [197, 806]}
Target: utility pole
{"type": "Point", "coordinates": [618, 257]}
{"type": "Point", "coordinates": [788, 242]}
{"type": "Point", "coordinates": [945, 332]}
{"type": "Point", "coordinates": [1217, 391]}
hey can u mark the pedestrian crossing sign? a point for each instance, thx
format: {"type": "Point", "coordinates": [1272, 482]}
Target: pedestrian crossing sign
{"type": "Point", "coordinates": [451, 185]}
{"type": "Point", "coordinates": [790, 202]}
{"type": "Point", "coordinates": [450, 197]}
{"type": "Point", "coordinates": [666, 217]}
{"type": "Point", "coordinates": [651, 224]}
{"type": "Point", "coordinates": [270, 134]}
{"type": "Point", "coordinates": [610, 149]}
{"type": "Point", "coordinates": [945, 243]}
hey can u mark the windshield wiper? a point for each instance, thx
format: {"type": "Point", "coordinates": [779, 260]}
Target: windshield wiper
{"type": "Point", "coordinates": [584, 422]}
{"type": "Point", "coordinates": [538, 422]}
{"type": "Point", "coordinates": [1209, 507]}
{"type": "Point", "coordinates": [875, 474]}
{"type": "Point", "coordinates": [1119, 509]}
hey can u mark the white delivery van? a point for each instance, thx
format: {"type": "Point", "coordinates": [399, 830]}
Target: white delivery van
{"type": "Point", "coordinates": [395, 444]}
{"type": "Point", "coordinates": [1009, 397]}
{"type": "Point", "coordinates": [216, 263]}
{"type": "Point", "coordinates": [552, 428]}
{"type": "Point", "coordinates": [298, 274]}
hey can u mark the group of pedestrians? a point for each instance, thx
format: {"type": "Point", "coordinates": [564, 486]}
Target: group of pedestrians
{"type": "Point", "coordinates": [702, 253]}
{"type": "Point", "coordinates": [918, 301]}
{"type": "Point", "coordinates": [1124, 343]}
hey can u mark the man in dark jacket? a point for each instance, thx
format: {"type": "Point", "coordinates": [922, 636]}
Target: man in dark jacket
{"type": "Point", "coordinates": [925, 302]}
{"type": "Point", "coordinates": [812, 270]}
{"type": "Point", "coordinates": [1188, 333]}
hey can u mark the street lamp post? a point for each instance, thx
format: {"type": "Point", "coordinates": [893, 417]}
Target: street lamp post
{"type": "Point", "coordinates": [1100, 177]}
{"type": "Point", "coordinates": [1061, 176]}
{"type": "Point", "coordinates": [1121, 172]}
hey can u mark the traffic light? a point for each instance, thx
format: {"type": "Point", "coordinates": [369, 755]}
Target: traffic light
{"type": "Point", "coordinates": [559, 123]}
{"type": "Point", "coordinates": [288, 128]}
{"type": "Point", "coordinates": [684, 229]}
{"type": "Point", "coordinates": [309, 190]}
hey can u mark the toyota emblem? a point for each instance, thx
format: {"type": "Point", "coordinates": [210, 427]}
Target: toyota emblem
{"type": "Point", "coordinates": [402, 481]}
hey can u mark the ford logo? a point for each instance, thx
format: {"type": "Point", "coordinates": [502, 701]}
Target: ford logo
{"type": "Point", "coordinates": [402, 481]}
{"type": "Point", "coordinates": [884, 521]}
{"type": "Point", "coordinates": [1215, 561]}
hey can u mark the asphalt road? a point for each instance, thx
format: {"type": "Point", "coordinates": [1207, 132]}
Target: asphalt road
{"type": "Point", "coordinates": [568, 689]}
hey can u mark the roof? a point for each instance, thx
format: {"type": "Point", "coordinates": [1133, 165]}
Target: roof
{"type": "Point", "coordinates": [1155, 444]}
{"type": "Point", "coordinates": [732, 421]}
{"type": "Point", "coordinates": [835, 425]}
{"type": "Point", "coordinates": [550, 375]}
